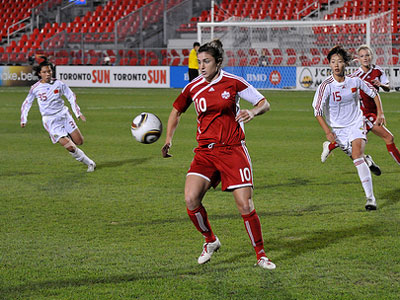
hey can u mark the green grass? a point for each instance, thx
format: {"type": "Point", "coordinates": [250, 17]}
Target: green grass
{"type": "Point", "coordinates": [122, 232]}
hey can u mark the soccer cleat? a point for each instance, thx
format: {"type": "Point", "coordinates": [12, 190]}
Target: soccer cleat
{"type": "Point", "coordinates": [91, 167]}
{"type": "Point", "coordinates": [371, 204]}
{"type": "Point", "coordinates": [265, 263]}
{"type": "Point", "coordinates": [372, 165]}
{"type": "Point", "coordinates": [208, 250]}
{"type": "Point", "coordinates": [325, 151]}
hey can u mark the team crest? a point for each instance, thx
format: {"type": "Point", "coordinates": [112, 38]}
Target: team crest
{"type": "Point", "coordinates": [225, 95]}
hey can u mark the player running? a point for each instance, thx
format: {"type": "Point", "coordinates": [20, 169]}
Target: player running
{"type": "Point", "coordinates": [337, 99]}
{"type": "Point", "coordinates": [221, 154]}
{"type": "Point", "coordinates": [56, 117]}
{"type": "Point", "coordinates": [375, 76]}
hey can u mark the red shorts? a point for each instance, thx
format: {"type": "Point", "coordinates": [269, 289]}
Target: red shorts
{"type": "Point", "coordinates": [229, 164]}
{"type": "Point", "coordinates": [370, 119]}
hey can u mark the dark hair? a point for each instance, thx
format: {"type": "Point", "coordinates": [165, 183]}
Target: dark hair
{"type": "Point", "coordinates": [215, 49]}
{"type": "Point", "coordinates": [196, 44]}
{"type": "Point", "coordinates": [39, 67]}
{"type": "Point", "coordinates": [339, 50]}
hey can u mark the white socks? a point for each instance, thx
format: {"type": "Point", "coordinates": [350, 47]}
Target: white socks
{"type": "Point", "coordinates": [81, 156]}
{"type": "Point", "coordinates": [365, 176]}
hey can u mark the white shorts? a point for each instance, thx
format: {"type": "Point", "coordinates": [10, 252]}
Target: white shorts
{"type": "Point", "coordinates": [59, 125]}
{"type": "Point", "coordinates": [346, 135]}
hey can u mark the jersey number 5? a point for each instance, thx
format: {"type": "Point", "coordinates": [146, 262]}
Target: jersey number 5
{"type": "Point", "coordinates": [200, 105]}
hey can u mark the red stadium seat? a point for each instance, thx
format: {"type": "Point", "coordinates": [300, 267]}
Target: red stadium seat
{"type": "Point", "coordinates": [133, 61]}
{"type": "Point", "coordinates": [154, 62]}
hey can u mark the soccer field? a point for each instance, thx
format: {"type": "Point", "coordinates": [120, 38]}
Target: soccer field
{"type": "Point", "coordinates": [122, 232]}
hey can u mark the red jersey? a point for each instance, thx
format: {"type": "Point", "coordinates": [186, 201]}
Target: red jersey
{"type": "Point", "coordinates": [217, 104]}
{"type": "Point", "coordinates": [367, 103]}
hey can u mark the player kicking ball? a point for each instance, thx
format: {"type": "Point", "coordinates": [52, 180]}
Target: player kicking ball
{"type": "Point", "coordinates": [337, 110]}
{"type": "Point", "coordinates": [56, 117]}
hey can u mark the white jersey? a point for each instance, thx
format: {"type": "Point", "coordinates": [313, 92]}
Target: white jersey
{"type": "Point", "coordinates": [48, 96]}
{"type": "Point", "coordinates": [339, 101]}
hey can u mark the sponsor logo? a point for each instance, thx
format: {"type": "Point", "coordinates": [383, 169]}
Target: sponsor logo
{"type": "Point", "coordinates": [55, 91]}
{"type": "Point", "coordinates": [275, 77]}
{"type": "Point", "coordinates": [306, 78]}
{"type": "Point", "coordinates": [353, 90]}
{"type": "Point", "coordinates": [211, 90]}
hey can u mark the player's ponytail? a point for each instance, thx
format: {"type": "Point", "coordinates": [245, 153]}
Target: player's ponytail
{"type": "Point", "coordinates": [215, 49]}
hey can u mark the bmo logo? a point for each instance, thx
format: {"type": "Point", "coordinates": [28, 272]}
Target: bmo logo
{"type": "Point", "coordinates": [275, 77]}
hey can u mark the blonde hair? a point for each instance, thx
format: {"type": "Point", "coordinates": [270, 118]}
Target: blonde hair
{"type": "Point", "coordinates": [365, 47]}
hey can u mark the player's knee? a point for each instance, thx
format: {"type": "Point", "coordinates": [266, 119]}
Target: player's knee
{"type": "Point", "coordinates": [389, 139]}
{"type": "Point", "coordinates": [245, 208]}
{"type": "Point", "coordinates": [70, 146]}
{"type": "Point", "coordinates": [192, 201]}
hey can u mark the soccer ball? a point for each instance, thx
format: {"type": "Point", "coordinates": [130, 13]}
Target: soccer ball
{"type": "Point", "coordinates": [146, 128]}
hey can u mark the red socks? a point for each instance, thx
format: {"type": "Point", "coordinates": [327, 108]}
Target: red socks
{"type": "Point", "coordinates": [251, 223]}
{"type": "Point", "coordinates": [394, 152]}
{"type": "Point", "coordinates": [333, 146]}
{"type": "Point", "coordinates": [253, 228]}
{"type": "Point", "coordinates": [200, 221]}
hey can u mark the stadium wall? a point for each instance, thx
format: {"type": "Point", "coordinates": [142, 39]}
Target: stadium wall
{"type": "Point", "coordinates": [299, 78]}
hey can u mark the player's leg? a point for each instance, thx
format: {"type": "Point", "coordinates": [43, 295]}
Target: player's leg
{"type": "Point", "coordinates": [195, 189]}
{"type": "Point", "coordinates": [76, 137]}
{"type": "Point", "coordinates": [245, 205]}
{"type": "Point", "coordinates": [387, 136]}
{"type": "Point", "coordinates": [363, 171]}
{"type": "Point", "coordinates": [77, 153]}
{"type": "Point", "coordinates": [199, 179]}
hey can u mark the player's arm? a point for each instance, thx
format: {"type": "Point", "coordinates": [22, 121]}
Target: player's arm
{"type": "Point", "coordinates": [380, 117]}
{"type": "Point", "coordinates": [330, 136]}
{"type": "Point", "coordinates": [373, 93]}
{"type": "Point", "coordinates": [246, 115]}
{"type": "Point", "coordinates": [70, 95]}
{"type": "Point", "coordinates": [25, 107]}
{"type": "Point", "coordinates": [173, 122]}
{"type": "Point", "coordinates": [318, 104]}
{"type": "Point", "coordinates": [382, 82]}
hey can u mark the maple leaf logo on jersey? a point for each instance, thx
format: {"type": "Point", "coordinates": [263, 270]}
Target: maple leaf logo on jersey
{"type": "Point", "coordinates": [225, 95]}
{"type": "Point", "coordinates": [353, 90]}
{"type": "Point", "coordinates": [55, 91]}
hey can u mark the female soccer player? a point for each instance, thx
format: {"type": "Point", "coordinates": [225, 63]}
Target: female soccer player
{"type": "Point", "coordinates": [221, 154]}
{"type": "Point", "coordinates": [337, 99]}
{"type": "Point", "coordinates": [55, 115]}
{"type": "Point", "coordinates": [375, 76]}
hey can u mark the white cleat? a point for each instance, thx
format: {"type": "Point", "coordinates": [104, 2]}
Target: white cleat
{"type": "Point", "coordinates": [91, 167]}
{"type": "Point", "coordinates": [371, 204]}
{"type": "Point", "coordinates": [372, 165]}
{"type": "Point", "coordinates": [265, 263]}
{"type": "Point", "coordinates": [325, 151]}
{"type": "Point", "coordinates": [208, 250]}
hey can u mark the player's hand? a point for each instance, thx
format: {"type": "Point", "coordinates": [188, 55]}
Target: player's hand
{"type": "Point", "coordinates": [165, 150]}
{"type": "Point", "coordinates": [380, 120]}
{"type": "Point", "coordinates": [331, 137]}
{"type": "Point", "coordinates": [23, 125]}
{"type": "Point", "coordinates": [82, 117]}
{"type": "Point", "coordinates": [376, 82]}
{"type": "Point", "coordinates": [244, 116]}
